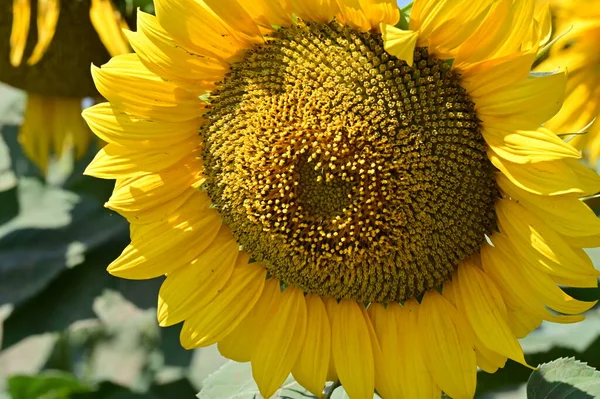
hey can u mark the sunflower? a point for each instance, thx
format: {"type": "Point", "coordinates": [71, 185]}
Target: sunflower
{"type": "Point", "coordinates": [578, 50]}
{"type": "Point", "coordinates": [65, 38]}
{"type": "Point", "coordinates": [333, 196]}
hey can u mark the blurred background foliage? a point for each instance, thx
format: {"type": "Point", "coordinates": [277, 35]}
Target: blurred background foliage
{"type": "Point", "coordinates": [70, 330]}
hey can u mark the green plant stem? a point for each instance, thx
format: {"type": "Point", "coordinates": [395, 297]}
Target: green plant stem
{"type": "Point", "coordinates": [329, 390]}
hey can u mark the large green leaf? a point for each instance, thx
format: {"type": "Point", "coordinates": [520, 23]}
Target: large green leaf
{"type": "Point", "coordinates": [48, 385]}
{"type": "Point", "coordinates": [549, 342]}
{"type": "Point", "coordinates": [45, 229]}
{"type": "Point", "coordinates": [564, 378]}
{"type": "Point", "coordinates": [234, 381]}
{"type": "Point", "coordinates": [340, 393]}
{"type": "Point", "coordinates": [71, 296]}
{"type": "Point", "coordinates": [8, 186]}
{"type": "Point", "coordinates": [52, 233]}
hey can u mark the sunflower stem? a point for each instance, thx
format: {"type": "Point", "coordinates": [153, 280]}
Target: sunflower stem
{"type": "Point", "coordinates": [329, 390]}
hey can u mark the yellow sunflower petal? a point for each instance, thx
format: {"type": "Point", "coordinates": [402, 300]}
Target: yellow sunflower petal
{"type": "Point", "coordinates": [481, 302]}
{"type": "Point", "coordinates": [488, 76]}
{"type": "Point", "coordinates": [192, 24]}
{"type": "Point", "coordinates": [488, 360]}
{"type": "Point", "coordinates": [351, 13]}
{"type": "Point", "coordinates": [544, 18]}
{"type": "Point", "coordinates": [521, 19]}
{"type": "Point", "coordinates": [315, 10]}
{"type": "Point", "coordinates": [114, 161]}
{"type": "Point", "coordinates": [594, 142]}
{"type": "Point", "coordinates": [385, 324]}
{"type": "Point", "coordinates": [588, 178]}
{"type": "Point", "coordinates": [211, 323]}
{"type": "Point", "coordinates": [510, 282]}
{"type": "Point", "coordinates": [396, 329]}
{"type": "Point", "coordinates": [280, 343]}
{"type": "Point", "coordinates": [129, 85]}
{"type": "Point", "coordinates": [399, 43]}
{"type": "Point", "coordinates": [170, 60]}
{"type": "Point", "coordinates": [580, 106]}
{"type": "Point", "coordinates": [153, 197]}
{"type": "Point", "coordinates": [528, 146]}
{"type": "Point", "coordinates": [484, 362]}
{"type": "Point", "coordinates": [330, 307]}
{"type": "Point", "coordinates": [188, 289]}
{"type": "Point", "coordinates": [576, 281]}
{"type": "Point", "coordinates": [449, 353]}
{"type": "Point", "coordinates": [115, 126]}
{"type": "Point", "coordinates": [20, 29]}
{"type": "Point", "coordinates": [51, 126]}
{"type": "Point", "coordinates": [537, 241]}
{"type": "Point", "coordinates": [550, 177]}
{"type": "Point", "coordinates": [109, 24]}
{"type": "Point", "coordinates": [236, 18]}
{"type": "Point", "coordinates": [33, 135]}
{"type": "Point", "coordinates": [522, 323]}
{"type": "Point", "coordinates": [162, 247]}
{"type": "Point", "coordinates": [524, 105]}
{"type": "Point", "coordinates": [384, 380]}
{"type": "Point", "coordinates": [310, 369]}
{"type": "Point", "coordinates": [367, 15]}
{"type": "Point", "coordinates": [552, 295]}
{"type": "Point", "coordinates": [352, 351]}
{"type": "Point", "coordinates": [47, 18]}
{"type": "Point", "coordinates": [505, 266]}
{"type": "Point", "coordinates": [488, 36]}
{"type": "Point", "coordinates": [380, 12]}
{"type": "Point", "coordinates": [583, 242]}
{"type": "Point", "coordinates": [267, 13]}
{"type": "Point", "coordinates": [144, 192]}
{"type": "Point", "coordinates": [568, 216]}
{"type": "Point", "coordinates": [241, 343]}
{"type": "Point", "coordinates": [415, 380]}
{"type": "Point", "coordinates": [444, 26]}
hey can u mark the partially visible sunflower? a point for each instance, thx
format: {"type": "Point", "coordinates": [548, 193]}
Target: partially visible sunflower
{"type": "Point", "coordinates": [578, 51]}
{"type": "Point", "coordinates": [332, 196]}
{"type": "Point", "coordinates": [48, 60]}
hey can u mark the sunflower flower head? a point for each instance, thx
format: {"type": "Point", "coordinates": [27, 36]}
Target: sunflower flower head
{"type": "Point", "coordinates": [333, 196]}
{"type": "Point", "coordinates": [578, 50]}
{"type": "Point", "coordinates": [51, 44]}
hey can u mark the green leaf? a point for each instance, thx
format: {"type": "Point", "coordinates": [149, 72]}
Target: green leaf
{"type": "Point", "coordinates": [8, 186]}
{"type": "Point", "coordinates": [12, 105]}
{"type": "Point", "coordinates": [234, 381]}
{"type": "Point", "coordinates": [181, 388]}
{"type": "Point", "coordinates": [549, 342]}
{"type": "Point", "coordinates": [48, 385]}
{"type": "Point", "coordinates": [52, 233]}
{"type": "Point", "coordinates": [340, 393]}
{"type": "Point", "coordinates": [109, 390]}
{"type": "Point", "coordinates": [404, 17]}
{"type": "Point", "coordinates": [564, 378]}
{"type": "Point", "coordinates": [20, 164]}
{"type": "Point", "coordinates": [46, 229]}
{"type": "Point", "coordinates": [70, 297]}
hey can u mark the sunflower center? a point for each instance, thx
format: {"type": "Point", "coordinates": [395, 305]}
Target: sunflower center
{"type": "Point", "coordinates": [343, 169]}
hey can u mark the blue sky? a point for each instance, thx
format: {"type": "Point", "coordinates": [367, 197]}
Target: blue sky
{"type": "Point", "coordinates": [402, 3]}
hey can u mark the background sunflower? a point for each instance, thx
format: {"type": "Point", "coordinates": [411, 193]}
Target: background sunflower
{"type": "Point", "coordinates": [577, 30]}
{"type": "Point", "coordinates": [51, 44]}
{"type": "Point", "coordinates": [95, 336]}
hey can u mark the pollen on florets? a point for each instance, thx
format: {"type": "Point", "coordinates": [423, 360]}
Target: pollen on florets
{"type": "Point", "coordinates": [343, 169]}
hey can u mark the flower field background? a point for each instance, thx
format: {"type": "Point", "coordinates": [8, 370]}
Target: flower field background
{"type": "Point", "coordinates": [68, 329]}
